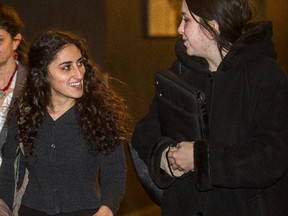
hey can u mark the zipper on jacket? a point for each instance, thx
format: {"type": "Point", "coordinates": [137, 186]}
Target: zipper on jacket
{"type": "Point", "coordinates": [212, 85]}
{"type": "Point", "coordinates": [204, 126]}
{"type": "Point", "coordinates": [211, 95]}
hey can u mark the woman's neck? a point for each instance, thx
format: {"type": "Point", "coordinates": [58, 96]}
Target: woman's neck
{"type": "Point", "coordinates": [58, 108]}
{"type": "Point", "coordinates": [6, 71]}
{"type": "Point", "coordinates": [215, 60]}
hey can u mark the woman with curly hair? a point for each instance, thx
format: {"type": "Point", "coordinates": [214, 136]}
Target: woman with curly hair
{"type": "Point", "coordinates": [71, 127]}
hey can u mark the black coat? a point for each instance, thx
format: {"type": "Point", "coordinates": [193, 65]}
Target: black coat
{"type": "Point", "coordinates": [242, 169]}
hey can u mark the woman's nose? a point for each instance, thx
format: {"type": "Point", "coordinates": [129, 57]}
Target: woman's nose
{"type": "Point", "coordinates": [181, 28]}
{"type": "Point", "coordinates": [78, 72]}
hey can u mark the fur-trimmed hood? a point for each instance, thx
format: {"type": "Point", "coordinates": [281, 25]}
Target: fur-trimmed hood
{"type": "Point", "coordinates": [256, 42]}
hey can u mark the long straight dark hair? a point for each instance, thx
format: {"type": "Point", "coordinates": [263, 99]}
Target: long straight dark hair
{"type": "Point", "coordinates": [232, 16]}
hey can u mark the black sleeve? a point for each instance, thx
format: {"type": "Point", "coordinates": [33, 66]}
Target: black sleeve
{"type": "Point", "coordinates": [146, 133]}
{"type": "Point", "coordinates": [113, 174]}
{"type": "Point", "coordinates": [149, 144]}
{"type": "Point", "coordinates": [7, 181]}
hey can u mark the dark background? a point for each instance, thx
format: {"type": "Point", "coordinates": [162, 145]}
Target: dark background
{"type": "Point", "coordinates": [115, 34]}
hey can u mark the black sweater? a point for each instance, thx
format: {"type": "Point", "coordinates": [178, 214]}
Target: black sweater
{"type": "Point", "coordinates": [65, 176]}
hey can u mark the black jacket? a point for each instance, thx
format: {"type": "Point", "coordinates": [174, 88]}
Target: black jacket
{"type": "Point", "coordinates": [242, 169]}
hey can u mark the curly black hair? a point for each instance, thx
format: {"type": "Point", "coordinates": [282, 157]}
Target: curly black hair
{"type": "Point", "coordinates": [102, 113]}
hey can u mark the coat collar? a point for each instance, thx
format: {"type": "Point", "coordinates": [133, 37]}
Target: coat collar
{"type": "Point", "coordinates": [256, 42]}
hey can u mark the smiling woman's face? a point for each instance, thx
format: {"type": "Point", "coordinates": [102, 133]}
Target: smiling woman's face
{"type": "Point", "coordinates": [66, 73]}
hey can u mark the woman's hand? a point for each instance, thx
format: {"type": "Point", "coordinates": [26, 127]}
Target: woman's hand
{"type": "Point", "coordinates": [181, 157]}
{"type": "Point", "coordinates": [103, 211]}
{"type": "Point", "coordinates": [171, 158]}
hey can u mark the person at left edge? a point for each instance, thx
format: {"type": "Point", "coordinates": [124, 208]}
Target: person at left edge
{"type": "Point", "coordinates": [71, 126]}
{"type": "Point", "coordinates": [13, 58]}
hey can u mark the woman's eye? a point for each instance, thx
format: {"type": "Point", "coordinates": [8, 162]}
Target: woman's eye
{"type": "Point", "coordinates": [185, 19]}
{"type": "Point", "coordinates": [81, 61]}
{"type": "Point", "coordinates": [67, 67]}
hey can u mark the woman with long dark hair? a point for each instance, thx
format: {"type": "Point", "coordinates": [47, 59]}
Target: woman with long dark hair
{"type": "Point", "coordinates": [240, 169]}
{"type": "Point", "coordinates": [71, 128]}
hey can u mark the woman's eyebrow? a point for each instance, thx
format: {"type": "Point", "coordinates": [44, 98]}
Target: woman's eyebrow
{"type": "Point", "coordinates": [66, 62]}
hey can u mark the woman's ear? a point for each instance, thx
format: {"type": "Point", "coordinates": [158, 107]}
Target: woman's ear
{"type": "Point", "coordinates": [16, 41]}
{"type": "Point", "coordinates": [214, 24]}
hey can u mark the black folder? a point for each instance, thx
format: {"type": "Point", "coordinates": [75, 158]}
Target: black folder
{"type": "Point", "coordinates": [181, 108]}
